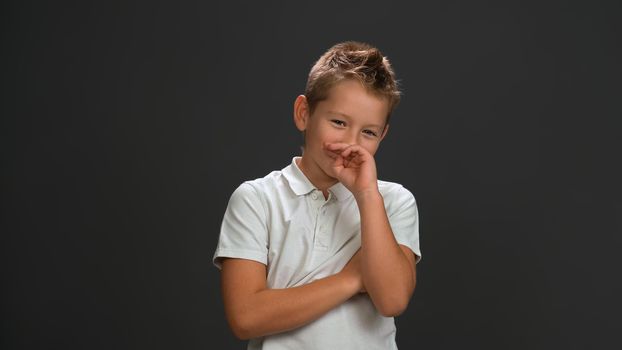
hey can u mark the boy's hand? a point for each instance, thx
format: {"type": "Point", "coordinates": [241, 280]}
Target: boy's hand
{"type": "Point", "coordinates": [352, 270]}
{"type": "Point", "coordinates": [354, 167]}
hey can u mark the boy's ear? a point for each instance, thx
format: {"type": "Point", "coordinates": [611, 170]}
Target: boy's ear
{"type": "Point", "coordinates": [384, 132]}
{"type": "Point", "coordinates": [301, 112]}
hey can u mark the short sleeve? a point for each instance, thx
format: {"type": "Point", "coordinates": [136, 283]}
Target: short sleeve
{"type": "Point", "coordinates": [243, 233]}
{"type": "Point", "coordinates": [404, 219]}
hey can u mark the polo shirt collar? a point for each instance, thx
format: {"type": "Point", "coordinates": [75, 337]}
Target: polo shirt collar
{"type": "Point", "coordinates": [340, 191]}
{"type": "Point", "coordinates": [296, 179]}
{"type": "Point", "coordinates": [300, 184]}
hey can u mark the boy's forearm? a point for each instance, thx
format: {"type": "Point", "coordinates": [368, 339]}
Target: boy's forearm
{"type": "Point", "coordinates": [273, 311]}
{"type": "Point", "coordinates": [387, 273]}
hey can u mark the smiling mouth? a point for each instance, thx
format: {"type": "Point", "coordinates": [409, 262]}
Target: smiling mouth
{"type": "Point", "coordinates": [330, 154]}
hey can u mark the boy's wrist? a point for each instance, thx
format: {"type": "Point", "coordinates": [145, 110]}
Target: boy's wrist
{"type": "Point", "coordinates": [362, 197]}
{"type": "Point", "coordinates": [351, 283]}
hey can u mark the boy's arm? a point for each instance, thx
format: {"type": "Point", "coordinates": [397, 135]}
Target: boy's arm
{"type": "Point", "coordinates": [254, 311]}
{"type": "Point", "coordinates": [388, 269]}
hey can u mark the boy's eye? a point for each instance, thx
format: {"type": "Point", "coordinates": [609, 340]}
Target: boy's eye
{"type": "Point", "coordinates": [338, 122]}
{"type": "Point", "coordinates": [370, 133]}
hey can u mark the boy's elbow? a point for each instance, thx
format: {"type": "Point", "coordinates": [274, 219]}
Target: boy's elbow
{"type": "Point", "coordinates": [392, 302]}
{"type": "Point", "coordinates": [392, 305]}
{"type": "Point", "coordinates": [241, 327]}
{"type": "Point", "coordinates": [240, 332]}
{"type": "Point", "coordinates": [393, 309]}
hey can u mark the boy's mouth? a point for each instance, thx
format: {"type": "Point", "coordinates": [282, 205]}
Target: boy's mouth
{"type": "Point", "coordinates": [330, 154]}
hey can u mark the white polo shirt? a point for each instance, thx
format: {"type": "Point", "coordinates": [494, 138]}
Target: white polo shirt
{"type": "Point", "coordinates": [284, 222]}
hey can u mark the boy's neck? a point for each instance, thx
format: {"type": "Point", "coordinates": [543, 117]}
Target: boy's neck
{"type": "Point", "coordinates": [317, 176]}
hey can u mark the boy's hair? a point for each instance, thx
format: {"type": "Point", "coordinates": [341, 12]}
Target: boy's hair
{"type": "Point", "coordinates": [352, 60]}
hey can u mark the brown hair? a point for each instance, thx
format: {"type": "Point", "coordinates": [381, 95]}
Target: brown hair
{"type": "Point", "coordinates": [352, 60]}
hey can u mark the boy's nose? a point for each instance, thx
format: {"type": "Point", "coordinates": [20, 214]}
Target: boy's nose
{"type": "Point", "coordinates": [351, 139]}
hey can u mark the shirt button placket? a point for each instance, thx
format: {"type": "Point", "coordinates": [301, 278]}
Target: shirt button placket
{"type": "Point", "coordinates": [321, 236]}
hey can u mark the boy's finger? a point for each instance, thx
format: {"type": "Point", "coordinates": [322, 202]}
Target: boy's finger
{"type": "Point", "coordinates": [332, 154]}
{"type": "Point", "coordinates": [336, 146]}
{"type": "Point", "coordinates": [351, 151]}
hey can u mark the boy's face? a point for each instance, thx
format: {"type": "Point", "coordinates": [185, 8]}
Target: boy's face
{"type": "Point", "coordinates": [350, 115]}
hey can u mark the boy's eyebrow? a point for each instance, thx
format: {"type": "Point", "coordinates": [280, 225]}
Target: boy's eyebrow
{"type": "Point", "coordinates": [349, 117]}
{"type": "Point", "coordinates": [340, 113]}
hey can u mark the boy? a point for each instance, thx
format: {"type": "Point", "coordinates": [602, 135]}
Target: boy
{"type": "Point", "coordinates": [321, 255]}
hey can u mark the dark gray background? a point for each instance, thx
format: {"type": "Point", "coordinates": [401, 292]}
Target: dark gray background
{"type": "Point", "coordinates": [126, 126]}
